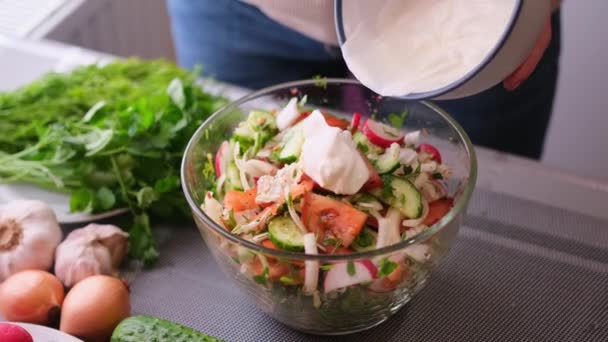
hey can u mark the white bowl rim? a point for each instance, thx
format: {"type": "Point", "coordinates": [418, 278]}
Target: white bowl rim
{"type": "Point", "coordinates": [339, 23]}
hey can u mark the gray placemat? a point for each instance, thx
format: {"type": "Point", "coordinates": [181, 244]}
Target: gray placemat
{"type": "Point", "coordinates": [519, 271]}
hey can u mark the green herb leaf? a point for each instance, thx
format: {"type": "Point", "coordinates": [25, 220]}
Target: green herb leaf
{"type": "Point", "coordinates": [146, 196]}
{"type": "Point", "coordinates": [105, 197]}
{"type": "Point", "coordinates": [365, 239]}
{"type": "Point", "coordinates": [262, 278]}
{"type": "Point", "coordinates": [386, 267]}
{"type": "Point", "coordinates": [176, 91]}
{"type": "Point", "coordinates": [321, 81]}
{"type": "Point", "coordinates": [326, 267]}
{"type": "Point", "coordinates": [397, 120]}
{"type": "Point", "coordinates": [82, 200]}
{"type": "Point", "coordinates": [350, 268]}
{"type": "Point", "coordinates": [287, 280]}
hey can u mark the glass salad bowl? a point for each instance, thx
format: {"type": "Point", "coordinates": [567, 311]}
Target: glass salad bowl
{"type": "Point", "coordinates": [354, 291]}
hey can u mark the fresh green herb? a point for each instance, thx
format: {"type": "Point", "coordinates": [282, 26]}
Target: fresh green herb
{"type": "Point", "coordinates": [235, 259]}
{"type": "Point", "coordinates": [333, 242]}
{"type": "Point", "coordinates": [397, 120]}
{"type": "Point", "coordinates": [303, 101]}
{"type": "Point", "coordinates": [321, 81]}
{"type": "Point", "coordinates": [262, 278]}
{"type": "Point", "coordinates": [326, 267]}
{"type": "Point", "coordinates": [437, 175]}
{"type": "Point", "coordinates": [350, 268]}
{"type": "Point", "coordinates": [231, 220]}
{"type": "Point", "coordinates": [287, 280]}
{"type": "Point", "coordinates": [364, 239]}
{"type": "Point", "coordinates": [363, 148]}
{"type": "Point", "coordinates": [386, 267]}
{"type": "Point", "coordinates": [111, 136]}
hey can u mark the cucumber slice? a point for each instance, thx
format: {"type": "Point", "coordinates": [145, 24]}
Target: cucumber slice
{"type": "Point", "coordinates": [244, 134]}
{"type": "Point", "coordinates": [365, 241]}
{"type": "Point", "coordinates": [284, 233]}
{"type": "Point", "coordinates": [260, 120]}
{"type": "Point", "coordinates": [291, 146]}
{"type": "Point", "coordinates": [364, 145]}
{"type": "Point", "coordinates": [388, 162]}
{"type": "Point", "coordinates": [233, 178]}
{"type": "Point", "coordinates": [401, 194]}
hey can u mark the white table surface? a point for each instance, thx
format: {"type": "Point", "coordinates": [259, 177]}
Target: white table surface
{"type": "Point", "coordinates": [22, 61]}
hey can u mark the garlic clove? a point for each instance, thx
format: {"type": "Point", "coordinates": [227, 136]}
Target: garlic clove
{"type": "Point", "coordinates": [29, 234]}
{"type": "Point", "coordinates": [94, 249]}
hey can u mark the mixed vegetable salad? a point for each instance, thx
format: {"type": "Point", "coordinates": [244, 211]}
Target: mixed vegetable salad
{"type": "Point", "coordinates": [306, 181]}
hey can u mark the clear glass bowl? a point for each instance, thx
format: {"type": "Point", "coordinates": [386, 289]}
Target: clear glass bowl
{"type": "Point", "coordinates": [357, 307]}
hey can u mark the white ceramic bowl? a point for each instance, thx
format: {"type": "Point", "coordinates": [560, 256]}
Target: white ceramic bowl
{"type": "Point", "coordinates": [515, 45]}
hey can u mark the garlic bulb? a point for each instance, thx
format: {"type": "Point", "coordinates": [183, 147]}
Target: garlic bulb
{"type": "Point", "coordinates": [94, 249]}
{"type": "Point", "coordinates": [29, 234]}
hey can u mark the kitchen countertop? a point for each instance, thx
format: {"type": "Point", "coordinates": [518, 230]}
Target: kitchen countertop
{"type": "Point", "coordinates": [537, 235]}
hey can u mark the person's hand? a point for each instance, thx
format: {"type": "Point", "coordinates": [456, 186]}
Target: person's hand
{"type": "Point", "coordinates": [524, 71]}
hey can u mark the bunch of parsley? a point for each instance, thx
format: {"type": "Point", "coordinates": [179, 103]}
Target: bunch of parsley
{"type": "Point", "coordinates": [111, 137]}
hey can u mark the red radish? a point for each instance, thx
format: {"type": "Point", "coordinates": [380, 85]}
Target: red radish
{"type": "Point", "coordinates": [14, 333]}
{"type": "Point", "coordinates": [219, 158]}
{"type": "Point", "coordinates": [380, 134]}
{"type": "Point", "coordinates": [373, 270]}
{"type": "Point", "coordinates": [432, 150]}
{"type": "Point", "coordinates": [338, 277]}
{"type": "Point", "coordinates": [354, 122]}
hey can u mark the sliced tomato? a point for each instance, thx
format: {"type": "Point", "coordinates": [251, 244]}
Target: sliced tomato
{"type": "Point", "coordinates": [374, 181]}
{"type": "Point", "coordinates": [329, 119]}
{"type": "Point", "coordinates": [241, 200]}
{"type": "Point", "coordinates": [437, 210]}
{"type": "Point", "coordinates": [391, 281]}
{"type": "Point", "coordinates": [276, 270]}
{"type": "Point", "coordinates": [320, 213]}
{"type": "Point", "coordinates": [271, 210]}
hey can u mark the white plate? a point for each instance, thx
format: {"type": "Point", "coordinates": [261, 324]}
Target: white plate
{"type": "Point", "coordinates": [41, 333]}
{"type": "Point", "coordinates": [59, 202]}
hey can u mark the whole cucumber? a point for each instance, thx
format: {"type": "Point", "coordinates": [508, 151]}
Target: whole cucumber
{"type": "Point", "coordinates": [153, 329]}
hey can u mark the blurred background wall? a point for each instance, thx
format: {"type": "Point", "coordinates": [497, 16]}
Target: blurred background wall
{"type": "Point", "coordinates": [577, 139]}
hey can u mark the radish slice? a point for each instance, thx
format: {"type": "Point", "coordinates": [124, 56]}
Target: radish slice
{"type": "Point", "coordinates": [373, 270]}
{"type": "Point", "coordinates": [311, 267]}
{"type": "Point", "coordinates": [431, 150]}
{"type": "Point", "coordinates": [220, 158]}
{"type": "Point", "coordinates": [338, 277]}
{"type": "Point", "coordinates": [380, 134]}
{"type": "Point", "coordinates": [354, 123]}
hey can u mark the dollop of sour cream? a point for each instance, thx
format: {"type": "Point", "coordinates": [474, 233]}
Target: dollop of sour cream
{"type": "Point", "coordinates": [330, 157]}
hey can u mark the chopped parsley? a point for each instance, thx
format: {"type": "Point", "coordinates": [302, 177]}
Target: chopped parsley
{"type": "Point", "coordinates": [386, 267]}
{"type": "Point", "coordinates": [350, 268]}
{"type": "Point", "coordinates": [321, 81]}
{"type": "Point", "coordinates": [326, 267]}
{"type": "Point", "coordinates": [262, 278]}
{"type": "Point", "coordinates": [287, 280]}
{"type": "Point", "coordinates": [397, 120]}
{"type": "Point", "coordinates": [365, 239]}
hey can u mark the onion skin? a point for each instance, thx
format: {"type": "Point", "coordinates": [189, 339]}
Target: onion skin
{"type": "Point", "coordinates": [94, 307]}
{"type": "Point", "coordinates": [31, 296]}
